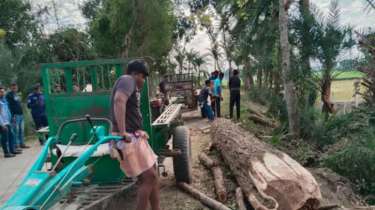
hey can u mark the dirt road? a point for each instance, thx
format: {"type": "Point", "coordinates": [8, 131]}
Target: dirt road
{"type": "Point", "coordinates": [171, 197]}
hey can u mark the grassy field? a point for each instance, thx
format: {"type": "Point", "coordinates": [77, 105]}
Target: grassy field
{"type": "Point", "coordinates": [343, 90]}
{"type": "Point", "coordinates": [346, 75]}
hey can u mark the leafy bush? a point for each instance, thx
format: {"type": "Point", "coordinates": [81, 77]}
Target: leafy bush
{"type": "Point", "coordinates": [356, 161]}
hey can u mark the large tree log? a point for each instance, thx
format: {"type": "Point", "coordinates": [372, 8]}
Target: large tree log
{"type": "Point", "coordinates": [269, 178]}
{"type": "Point", "coordinates": [263, 121]}
{"type": "Point", "coordinates": [252, 111]}
{"type": "Point", "coordinates": [239, 199]}
{"type": "Point", "coordinates": [202, 198]}
{"type": "Point", "coordinates": [218, 176]}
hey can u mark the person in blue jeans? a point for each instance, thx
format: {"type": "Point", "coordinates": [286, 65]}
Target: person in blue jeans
{"type": "Point", "coordinates": [203, 102]}
{"type": "Point", "coordinates": [218, 90]}
{"type": "Point", "coordinates": [37, 104]}
{"type": "Point", "coordinates": [6, 132]}
{"type": "Point", "coordinates": [16, 111]}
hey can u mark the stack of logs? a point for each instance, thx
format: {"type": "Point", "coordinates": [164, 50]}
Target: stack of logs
{"type": "Point", "coordinates": [268, 178]}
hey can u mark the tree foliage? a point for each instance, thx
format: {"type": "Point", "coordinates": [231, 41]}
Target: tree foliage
{"type": "Point", "coordinates": [111, 20]}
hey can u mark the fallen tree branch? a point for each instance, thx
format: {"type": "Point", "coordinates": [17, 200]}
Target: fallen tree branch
{"type": "Point", "coordinates": [263, 121]}
{"type": "Point", "coordinates": [218, 176]}
{"type": "Point", "coordinates": [209, 202]}
{"type": "Point", "coordinates": [239, 199]}
{"type": "Point", "coordinates": [252, 111]}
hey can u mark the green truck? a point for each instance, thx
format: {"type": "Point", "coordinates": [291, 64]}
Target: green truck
{"type": "Point", "coordinates": [75, 170]}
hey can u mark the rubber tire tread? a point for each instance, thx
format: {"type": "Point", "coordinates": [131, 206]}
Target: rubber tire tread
{"type": "Point", "coordinates": [182, 165]}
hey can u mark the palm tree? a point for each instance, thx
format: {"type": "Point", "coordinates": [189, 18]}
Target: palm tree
{"type": "Point", "coordinates": [216, 54]}
{"type": "Point", "coordinates": [190, 56]}
{"type": "Point", "coordinates": [332, 39]}
{"type": "Point", "coordinates": [199, 62]}
{"type": "Point", "coordinates": [180, 58]}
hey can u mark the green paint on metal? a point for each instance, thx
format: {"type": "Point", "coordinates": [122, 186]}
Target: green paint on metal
{"type": "Point", "coordinates": [91, 62]}
{"type": "Point", "coordinates": [118, 70]}
{"type": "Point", "coordinates": [47, 91]}
{"type": "Point", "coordinates": [65, 106]}
{"type": "Point", "coordinates": [102, 77]}
{"type": "Point", "coordinates": [68, 79]}
{"type": "Point", "coordinates": [94, 78]}
{"type": "Point", "coordinates": [146, 112]}
{"type": "Point", "coordinates": [84, 77]}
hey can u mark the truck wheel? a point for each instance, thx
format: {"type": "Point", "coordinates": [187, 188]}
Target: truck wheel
{"type": "Point", "coordinates": [182, 164]}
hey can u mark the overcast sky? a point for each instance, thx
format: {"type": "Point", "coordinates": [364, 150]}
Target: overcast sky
{"type": "Point", "coordinates": [69, 15]}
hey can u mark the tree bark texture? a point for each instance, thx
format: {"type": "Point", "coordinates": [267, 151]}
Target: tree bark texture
{"type": "Point", "coordinates": [218, 176]}
{"type": "Point", "coordinates": [328, 106]}
{"type": "Point", "coordinates": [269, 178]}
{"type": "Point", "coordinates": [239, 199]}
{"type": "Point", "coordinates": [293, 115]}
{"type": "Point", "coordinates": [202, 197]}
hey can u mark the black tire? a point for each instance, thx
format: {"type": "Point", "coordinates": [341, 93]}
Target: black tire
{"type": "Point", "coordinates": [182, 164]}
{"type": "Point", "coordinates": [203, 113]}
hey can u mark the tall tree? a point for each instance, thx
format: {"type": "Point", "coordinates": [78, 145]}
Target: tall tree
{"type": "Point", "coordinates": [113, 23]}
{"type": "Point", "coordinates": [180, 58]}
{"type": "Point", "coordinates": [216, 54]}
{"type": "Point", "coordinates": [332, 39]}
{"type": "Point", "coordinates": [199, 62]}
{"type": "Point", "coordinates": [293, 114]}
{"type": "Point", "coordinates": [190, 56]}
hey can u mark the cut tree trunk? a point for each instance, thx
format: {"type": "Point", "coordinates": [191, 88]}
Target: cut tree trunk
{"type": "Point", "coordinates": [218, 176]}
{"type": "Point", "coordinates": [263, 121]}
{"type": "Point", "coordinates": [293, 115]}
{"type": "Point", "coordinates": [269, 178]}
{"type": "Point", "coordinates": [202, 198]}
{"type": "Point", "coordinates": [239, 199]}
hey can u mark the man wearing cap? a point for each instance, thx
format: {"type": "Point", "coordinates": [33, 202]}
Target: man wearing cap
{"type": "Point", "coordinates": [36, 102]}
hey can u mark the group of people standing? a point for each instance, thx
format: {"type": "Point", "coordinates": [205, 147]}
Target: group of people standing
{"type": "Point", "coordinates": [12, 118]}
{"type": "Point", "coordinates": [216, 96]}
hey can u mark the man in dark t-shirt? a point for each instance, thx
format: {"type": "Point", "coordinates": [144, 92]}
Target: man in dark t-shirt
{"type": "Point", "coordinates": [162, 84]}
{"type": "Point", "coordinates": [234, 85]}
{"type": "Point", "coordinates": [202, 99]}
{"type": "Point", "coordinates": [138, 160]}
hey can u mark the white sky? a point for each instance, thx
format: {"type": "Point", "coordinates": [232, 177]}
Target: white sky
{"type": "Point", "coordinates": [352, 12]}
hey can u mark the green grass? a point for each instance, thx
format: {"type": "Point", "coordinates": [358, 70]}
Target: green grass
{"type": "Point", "coordinates": [346, 75]}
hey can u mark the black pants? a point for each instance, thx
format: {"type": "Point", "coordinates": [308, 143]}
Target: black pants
{"type": "Point", "coordinates": [217, 106]}
{"type": "Point", "coordinates": [235, 97]}
{"type": "Point", "coordinates": [41, 121]}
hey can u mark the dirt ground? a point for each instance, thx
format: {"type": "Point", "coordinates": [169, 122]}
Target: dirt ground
{"type": "Point", "coordinates": [335, 189]}
{"type": "Point", "coordinates": [171, 197]}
